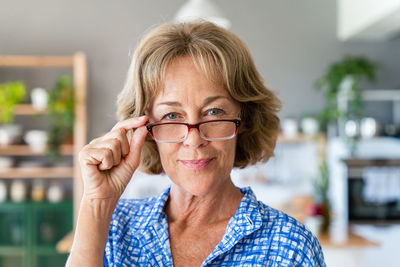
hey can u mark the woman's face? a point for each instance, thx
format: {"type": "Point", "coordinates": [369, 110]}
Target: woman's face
{"type": "Point", "coordinates": [195, 165]}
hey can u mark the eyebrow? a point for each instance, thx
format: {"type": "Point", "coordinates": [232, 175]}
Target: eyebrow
{"type": "Point", "coordinates": [207, 101]}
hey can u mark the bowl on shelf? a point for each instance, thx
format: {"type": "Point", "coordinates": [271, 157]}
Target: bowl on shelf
{"type": "Point", "coordinates": [37, 140]}
{"type": "Point", "coordinates": [10, 134]}
{"type": "Point", "coordinates": [6, 162]}
{"type": "Point", "coordinates": [290, 127]}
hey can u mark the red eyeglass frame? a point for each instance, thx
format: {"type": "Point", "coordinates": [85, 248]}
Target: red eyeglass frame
{"type": "Point", "coordinates": [150, 126]}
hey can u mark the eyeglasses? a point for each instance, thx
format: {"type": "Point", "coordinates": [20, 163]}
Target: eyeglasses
{"type": "Point", "coordinates": [176, 132]}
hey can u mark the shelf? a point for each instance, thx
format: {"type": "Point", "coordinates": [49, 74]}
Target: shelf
{"type": "Point", "coordinates": [37, 172]}
{"type": "Point", "coordinates": [364, 162]}
{"type": "Point", "coordinates": [292, 140]}
{"type": "Point", "coordinates": [25, 150]}
{"type": "Point", "coordinates": [28, 109]}
{"type": "Point", "coordinates": [353, 241]}
{"type": "Point", "coordinates": [381, 95]}
{"type": "Point", "coordinates": [36, 61]}
{"type": "Point", "coordinates": [36, 251]}
{"type": "Point", "coordinates": [300, 138]}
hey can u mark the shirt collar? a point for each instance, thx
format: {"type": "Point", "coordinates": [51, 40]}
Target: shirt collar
{"type": "Point", "coordinates": [246, 220]}
{"type": "Point", "coordinates": [158, 210]}
{"type": "Point", "coordinates": [247, 215]}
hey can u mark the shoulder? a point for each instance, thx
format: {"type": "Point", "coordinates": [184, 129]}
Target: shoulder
{"type": "Point", "coordinates": [286, 232]}
{"type": "Point", "coordinates": [280, 222]}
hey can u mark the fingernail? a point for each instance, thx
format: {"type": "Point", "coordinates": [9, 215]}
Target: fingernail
{"type": "Point", "coordinates": [141, 118]}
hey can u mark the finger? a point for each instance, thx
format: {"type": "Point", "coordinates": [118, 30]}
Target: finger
{"type": "Point", "coordinates": [131, 123]}
{"type": "Point", "coordinates": [137, 140]}
{"type": "Point", "coordinates": [119, 134]}
{"type": "Point", "coordinates": [97, 156]}
{"type": "Point", "coordinates": [107, 161]}
{"type": "Point", "coordinates": [114, 145]}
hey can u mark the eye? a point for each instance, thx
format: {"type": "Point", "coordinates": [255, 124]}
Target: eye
{"type": "Point", "coordinates": [215, 112]}
{"type": "Point", "coordinates": [170, 116]}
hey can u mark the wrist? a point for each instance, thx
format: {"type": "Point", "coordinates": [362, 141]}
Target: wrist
{"type": "Point", "coordinates": [101, 196]}
{"type": "Point", "coordinates": [98, 207]}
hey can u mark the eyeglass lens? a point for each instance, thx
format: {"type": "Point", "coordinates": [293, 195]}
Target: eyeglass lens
{"type": "Point", "coordinates": [218, 130]}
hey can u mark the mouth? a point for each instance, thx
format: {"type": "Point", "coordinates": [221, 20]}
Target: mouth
{"type": "Point", "coordinates": [197, 164]}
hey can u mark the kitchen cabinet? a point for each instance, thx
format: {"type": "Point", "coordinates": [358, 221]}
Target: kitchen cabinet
{"type": "Point", "coordinates": [29, 233]}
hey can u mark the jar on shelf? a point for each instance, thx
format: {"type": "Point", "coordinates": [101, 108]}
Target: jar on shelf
{"type": "Point", "coordinates": [55, 192]}
{"type": "Point", "coordinates": [18, 190]}
{"type": "Point", "coordinates": [3, 191]}
{"type": "Point", "coordinates": [38, 192]}
{"type": "Point", "coordinates": [290, 127]}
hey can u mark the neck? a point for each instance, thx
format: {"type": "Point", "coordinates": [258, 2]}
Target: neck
{"type": "Point", "coordinates": [218, 205]}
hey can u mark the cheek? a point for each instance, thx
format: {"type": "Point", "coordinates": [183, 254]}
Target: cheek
{"type": "Point", "coordinates": [168, 154]}
{"type": "Point", "coordinates": [228, 151]}
{"type": "Point", "coordinates": [224, 151]}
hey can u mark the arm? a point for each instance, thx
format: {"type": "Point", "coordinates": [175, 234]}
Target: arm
{"type": "Point", "coordinates": [91, 232]}
{"type": "Point", "coordinates": [107, 165]}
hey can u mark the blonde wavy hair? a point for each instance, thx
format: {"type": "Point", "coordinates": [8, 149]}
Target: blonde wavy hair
{"type": "Point", "coordinates": [223, 58]}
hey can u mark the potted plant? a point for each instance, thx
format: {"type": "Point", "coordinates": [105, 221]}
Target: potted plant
{"type": "Point", "coordinates": [11, 94]}
{"type": "Point", "coordinates": [344, 77]}
{"type": "Point", "coordinates": [322, 201]}
{"type": "Point", "coordinates": [61, 105]}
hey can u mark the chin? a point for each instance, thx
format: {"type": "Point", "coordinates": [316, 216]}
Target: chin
{"type": "Point", "coordinates": [199, 184]}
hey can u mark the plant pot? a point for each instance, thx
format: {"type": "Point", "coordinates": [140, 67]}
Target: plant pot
{"type": "Point", "coordinates": [290, 127]}
{"type": "Point", "coordinates": [310, 126]}
{"type": "Point", "coordinates": [37, 140]}
{"type": "Point", "coordinates": [10, 134]}
{"type": "Point", "coordinates": [39, 98]}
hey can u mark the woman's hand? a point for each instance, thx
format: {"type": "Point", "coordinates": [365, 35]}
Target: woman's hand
{"type": "Point", "coordinates": [108, 162]}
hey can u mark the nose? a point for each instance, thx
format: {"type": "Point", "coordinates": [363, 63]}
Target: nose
{"type": "Point", "coordinates": [194, 139]}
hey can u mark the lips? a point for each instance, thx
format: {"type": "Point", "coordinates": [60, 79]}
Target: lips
{"type": "Point", "coordinates": [198, 164]}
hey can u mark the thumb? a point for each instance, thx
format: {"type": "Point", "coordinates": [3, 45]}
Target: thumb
{"type": "Point", "coordinates": [135, 147]}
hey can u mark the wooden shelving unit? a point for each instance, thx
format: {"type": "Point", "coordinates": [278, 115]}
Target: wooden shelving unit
{"type": "Point", "coordinates": [27, 109]}
{"type": "Point", "coordinates": [78, 64]}
{"type": "Point", "coordinates": [37, 172]}
{"type": "Point", "coordinates": [25, 150]}
{"type": "Point", "coordinates": [40, 61]}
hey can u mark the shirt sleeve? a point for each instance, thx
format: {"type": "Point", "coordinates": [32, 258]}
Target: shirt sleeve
{"type": "Point", "coordinates": [122, 246]}
{"type": "Point", "coordinates": [108, 259]}
{"type": "Point", "coordinates": [311, 254]}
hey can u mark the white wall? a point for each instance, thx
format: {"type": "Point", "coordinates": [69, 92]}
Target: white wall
{"type": "Point", "coordinates": [292, 42]}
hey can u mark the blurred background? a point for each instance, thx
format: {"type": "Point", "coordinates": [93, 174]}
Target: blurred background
{"type": "Point", "coordinates": [334, 64]}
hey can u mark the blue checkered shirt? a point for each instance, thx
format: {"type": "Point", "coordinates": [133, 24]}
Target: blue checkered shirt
{"type": "Point", "coordinates": [256, 235]}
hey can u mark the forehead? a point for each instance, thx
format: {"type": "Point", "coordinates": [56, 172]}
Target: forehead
{"type": "Point", "coordinates": [185, 81]}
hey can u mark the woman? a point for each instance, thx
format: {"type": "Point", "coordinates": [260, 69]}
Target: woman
{"type": "Point", "coordinates": [195, 90]}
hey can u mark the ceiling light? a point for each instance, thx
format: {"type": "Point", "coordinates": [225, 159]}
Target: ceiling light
{"type": "Point", "coordinates": [201, 9]}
